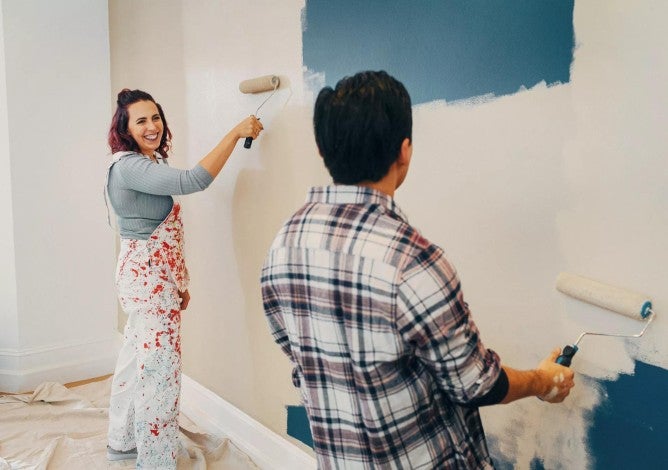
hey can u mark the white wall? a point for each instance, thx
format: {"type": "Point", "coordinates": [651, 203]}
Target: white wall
{"type": "Point", "coordinates": [194, 71]}
{"type": "Point", "coordinates": [56, 84]}
{"type": "Point", "coordinates": [517, 189]}
{"type": "Point", "coordinates": [567, 178]}
{"type": "Point", "coordinates": [8, 316]}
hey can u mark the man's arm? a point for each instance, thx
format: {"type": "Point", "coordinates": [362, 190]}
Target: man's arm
{"type": "Point", "coordinates": [550, 381]}
{"type": "Point", "coordinates": [435, 322]}
{"type": "Point", "coordinates": [272, 313]}
{"type": "Point", "coordinates": [433, 317]}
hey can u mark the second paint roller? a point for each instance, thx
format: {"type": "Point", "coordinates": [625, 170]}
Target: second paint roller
{"type": "Point", "coordinates": [259, 85]}
{"type": "Point", "coordinates": [616, 299]}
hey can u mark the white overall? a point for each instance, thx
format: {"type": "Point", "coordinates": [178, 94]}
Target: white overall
{"type": "Point", "coordinates": [145, 390]}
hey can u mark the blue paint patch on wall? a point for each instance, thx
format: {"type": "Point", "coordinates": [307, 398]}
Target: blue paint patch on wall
{"type": "Point", "coordinates": [298, 426]}
{"type": "Point", "coordinates": [627, 428]}
{"type": "Point", "coordinates": [630, 424]}
{"type": "Point", "coordinates": [536, 464]}
{"type": "Point", "coordinates": [501, 462]}
{"type": "Point", "coordinates": [443, 49]}
{"type": "Point", "coordinates": [625, 432]}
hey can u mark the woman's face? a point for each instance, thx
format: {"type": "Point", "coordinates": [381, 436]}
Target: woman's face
{"type": "Point", "coordinates": [145, 126]}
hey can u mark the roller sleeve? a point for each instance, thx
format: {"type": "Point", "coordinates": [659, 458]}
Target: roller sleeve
{"type": "Point", "coordinates": [260, 84]}
{"type": "Point", "coordinates": [616, 299]}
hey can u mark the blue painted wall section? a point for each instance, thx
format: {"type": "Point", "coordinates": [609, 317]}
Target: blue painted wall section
{"type": "Point", "coordinates": [298, 426]}
{"type": "Point", "coordinates": [630, 427]}
{"type": "Point", "coordinates": [626, 431]}
{"type": "Point", "coordinates": [462, 49]}
{"type": "Point", "coordinates": [443, 49]}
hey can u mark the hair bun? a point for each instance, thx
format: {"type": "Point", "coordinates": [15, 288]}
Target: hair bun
{"type": "Point", "coordinates": [123, 95]}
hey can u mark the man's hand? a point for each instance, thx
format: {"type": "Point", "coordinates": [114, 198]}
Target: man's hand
{"type": "Point", "coordinates": [550, 381]}
{"type": "Point", "coordinates": [184, 299]}
{"type": "Point", "coordinates": [558, 380]}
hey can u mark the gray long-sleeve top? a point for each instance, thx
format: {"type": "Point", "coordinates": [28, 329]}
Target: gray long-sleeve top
{"type": "Point", "coordinates": [140, 191]}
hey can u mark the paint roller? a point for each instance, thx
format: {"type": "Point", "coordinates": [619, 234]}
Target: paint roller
{"type": "Point", "coordinates": [616, 299]}
{"type": "Point", "coordinates": [259, 85]}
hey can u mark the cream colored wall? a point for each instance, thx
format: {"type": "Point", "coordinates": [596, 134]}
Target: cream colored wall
{"type": "Point", "coordinates": [569, 177]}
{"type": "Point", "coordinates": [8, 312]}
{"type": "Point", "coordinates": [191, 57]}
{"type": "Point", "coordinates": [57, 285]}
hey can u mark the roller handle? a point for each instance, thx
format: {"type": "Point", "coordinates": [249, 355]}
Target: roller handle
{"type": "Point", "coordinates": [567, 355]}
{"type": "Point", "coordinates": [249, 140]}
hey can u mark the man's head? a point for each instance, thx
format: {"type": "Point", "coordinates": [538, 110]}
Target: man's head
{"type": "Point", "coordinates": [361, 125]}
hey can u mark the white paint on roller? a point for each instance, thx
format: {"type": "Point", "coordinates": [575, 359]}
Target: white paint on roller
{"type": "Point", "coordinates": [615, 299]}
{"type": "Point", "coordinates": [260, 84]}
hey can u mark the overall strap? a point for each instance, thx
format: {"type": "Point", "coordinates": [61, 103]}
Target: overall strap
{"type": "Point", "coordinates": [105, 191]}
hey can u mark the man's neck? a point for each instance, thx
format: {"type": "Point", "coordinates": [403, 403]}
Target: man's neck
{"type": "Point", "coordinates": [387, 184]}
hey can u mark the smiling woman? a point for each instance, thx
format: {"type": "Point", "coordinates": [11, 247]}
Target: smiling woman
{"type": "Point", "coordinates": [145, 126]}
{"type": "Point", "coordinates": [135, 110]}
{"type": "Point", "coordinates": [151, 276]}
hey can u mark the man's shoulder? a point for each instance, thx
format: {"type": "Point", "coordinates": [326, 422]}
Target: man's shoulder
{"type": "Point", "coordinates": [370, 226]}
{"type": "Point", "coordinates": [408, 237]}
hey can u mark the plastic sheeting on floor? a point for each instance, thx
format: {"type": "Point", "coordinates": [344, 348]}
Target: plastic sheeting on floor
{"type": "Point", "coordinates": [59, 428]}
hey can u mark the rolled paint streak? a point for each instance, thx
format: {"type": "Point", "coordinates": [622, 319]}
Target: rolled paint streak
{"type": "Point", "coordinates": [448, 50]}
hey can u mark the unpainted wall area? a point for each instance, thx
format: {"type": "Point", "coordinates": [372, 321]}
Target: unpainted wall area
{"type": "Point", "coordinates": [194, 71]}
{"type": "Point", "coordinates": [515, 189]}
{"type": "Point", "coordinates": [56, 289]}
{"type": "Point", "coordinates": [9, 334]}
{"type": "Point", "coordinates": [518, 187]}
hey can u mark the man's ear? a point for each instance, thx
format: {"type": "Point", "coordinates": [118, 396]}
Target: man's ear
{"type": "Point", "coordinates": [405, 152]}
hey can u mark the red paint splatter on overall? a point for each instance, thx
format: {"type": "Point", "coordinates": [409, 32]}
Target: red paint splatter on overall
{"type": "Point", "coordinates": [150, 275]}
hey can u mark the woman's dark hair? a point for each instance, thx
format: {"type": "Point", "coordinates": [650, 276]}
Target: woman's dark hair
{"type": "Point", "coordinates": [119, 137]}
{"type": "Point", "coordinates": [360, 125]}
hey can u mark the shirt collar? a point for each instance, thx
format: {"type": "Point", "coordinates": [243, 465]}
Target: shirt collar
{"type": "Point", "coordinates": [353, 194]}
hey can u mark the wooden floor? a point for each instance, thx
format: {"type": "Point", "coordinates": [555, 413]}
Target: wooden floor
{"type": "Point", "coordinates": [87, 381]}
{"type": "Point", "coordinates": [68, 385]}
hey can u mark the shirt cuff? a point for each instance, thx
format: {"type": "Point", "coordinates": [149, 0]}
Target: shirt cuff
{"type": "Point", "coordinates": [496, 394]}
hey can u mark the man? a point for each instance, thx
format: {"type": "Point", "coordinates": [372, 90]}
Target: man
{"type": "Point", "coordinates": [389, 362]}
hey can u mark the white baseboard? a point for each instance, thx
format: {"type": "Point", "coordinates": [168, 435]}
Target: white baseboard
{"type": "Point", "coordinates": [213, 414]}
{"type": "Point", "coordinates": [22, 370]}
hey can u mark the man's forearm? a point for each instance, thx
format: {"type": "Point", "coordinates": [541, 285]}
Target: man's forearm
{"type": "Point", "coordinates": [550, 381]}
{"type": "Point", "coordinates": [522, 384]}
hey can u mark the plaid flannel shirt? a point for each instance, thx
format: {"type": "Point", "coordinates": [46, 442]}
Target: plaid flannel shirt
{"type": "Point", "coordinates": [384, 349]}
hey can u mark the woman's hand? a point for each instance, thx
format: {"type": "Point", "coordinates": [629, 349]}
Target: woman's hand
{"type": "Point", "coordinates": [249, 127]}
{"type": "Point", "coordinates": [215, 160]}
{"type": "Point", "coordinates": [184, 299]}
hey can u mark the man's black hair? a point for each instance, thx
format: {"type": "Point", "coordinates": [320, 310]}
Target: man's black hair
{"type": "Point", "coordinates": [360, 125]}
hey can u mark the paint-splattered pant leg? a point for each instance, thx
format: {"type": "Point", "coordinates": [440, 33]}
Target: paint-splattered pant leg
{"type": "Point", "coordinates": [152, 336]}
{"type": "Point", "coordinates": [121, 405]}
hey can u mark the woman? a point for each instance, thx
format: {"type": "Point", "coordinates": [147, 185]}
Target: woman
{"type": "Point", "coordinates": [151, 276]}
